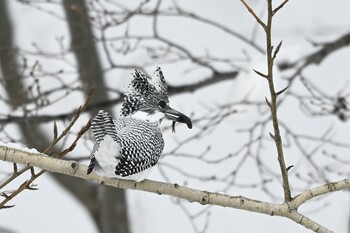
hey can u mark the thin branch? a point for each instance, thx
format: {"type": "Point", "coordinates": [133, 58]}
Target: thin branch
{"type": "Point", "coordinates": [254, 15]}
{"type": "Point", "coordinates": [76, 117]}
{"type": "Point", "coordinates": [281, 91]}
{"type": "Point", "coordinates": [27, 183]}
{"type": "Point", "coordinates": [277, 50]}
{"type": "Point", "coordinates": [276, 136]}
{"type": "Point", "coordinates": [194, 16]}
{"type": "Point", "coordinates": [279, 7]}
{"type": "Point", "coordinates": [14, 175]}
{"type": "Point", "coordinates": [260, 74]}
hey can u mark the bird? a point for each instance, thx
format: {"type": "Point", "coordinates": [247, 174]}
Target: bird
{"type": "Point", "coordinates": [130, 146]}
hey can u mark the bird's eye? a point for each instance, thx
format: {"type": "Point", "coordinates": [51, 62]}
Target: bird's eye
{"type": "Point", "coordinates": [162, 104]}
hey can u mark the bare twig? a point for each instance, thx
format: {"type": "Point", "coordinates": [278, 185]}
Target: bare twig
{"type": "Point", "coordinates": [263, 25]}
{"type": "Point", "coordinates": [76, 117]}
{"type": "Point", "coordinates": [27, 183]}
{"type": "Point", "coordinates": [279, 7]}
{"type": "Point", "coordinates": [276, 136]}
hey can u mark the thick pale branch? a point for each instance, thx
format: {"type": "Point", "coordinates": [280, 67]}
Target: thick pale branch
{"type": "Point", "coordinates": [318, 191]}
{"type": "Point", "coordinates": [72, 168]}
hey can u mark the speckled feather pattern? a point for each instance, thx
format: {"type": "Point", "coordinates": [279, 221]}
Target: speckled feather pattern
{"type": "Point", "coordinates": [141, 142]}
{"type": "Point", "coordinates": [131, 145]}
{"type": "Point", "coordinates": [144, 93]}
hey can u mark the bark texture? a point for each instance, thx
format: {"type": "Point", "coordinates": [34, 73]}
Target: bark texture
{"type": "Point", "coordinates": [287, 209]}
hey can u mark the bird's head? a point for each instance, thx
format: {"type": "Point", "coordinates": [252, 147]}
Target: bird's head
{"type": "Point", "coordinates": [148, 97]}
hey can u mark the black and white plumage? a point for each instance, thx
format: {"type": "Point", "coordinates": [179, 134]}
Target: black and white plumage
{"type": "Point", "coordinates": [128, 147]}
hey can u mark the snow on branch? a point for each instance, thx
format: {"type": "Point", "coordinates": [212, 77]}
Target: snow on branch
{"type": "Point", "coordinates": [72, 168]}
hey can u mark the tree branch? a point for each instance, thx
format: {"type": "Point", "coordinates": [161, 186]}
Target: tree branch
{"type": "Point", "coordinates": [288, 209]}
{"type": "Point", "coordinates": [277, 135]}
{"type": "Point", "coordinates": [262, 24]}
{"type": "Point", "coordinates": [216, 77]}
{"type": "Point", "coordinates": [270, 57]}
{"type": "Point", "coordinates": [318, 191]}
{"type": "Point", "coordinates": [318, 56]}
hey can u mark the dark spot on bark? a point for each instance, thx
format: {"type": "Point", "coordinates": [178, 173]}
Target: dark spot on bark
{"type": "Point", "coordinates": [242, 201]}
{"type": "Point", "coordinates": [205, 199]}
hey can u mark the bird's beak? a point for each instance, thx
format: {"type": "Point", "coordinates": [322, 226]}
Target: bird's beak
{"type": "Point", "coordinates": [177, 116]}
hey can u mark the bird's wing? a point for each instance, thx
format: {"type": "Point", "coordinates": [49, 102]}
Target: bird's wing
{"type": "Point", "coordinates": [141, 147]}
{"type": "Point", "coordinates": [101, 125]}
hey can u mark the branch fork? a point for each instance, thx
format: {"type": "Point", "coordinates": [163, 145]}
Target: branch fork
{"type": "Point", "coordinates": [288, 209]}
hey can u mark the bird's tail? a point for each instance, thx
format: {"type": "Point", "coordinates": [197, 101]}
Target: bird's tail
{"type": "Point", "coordinates": [101, 125]}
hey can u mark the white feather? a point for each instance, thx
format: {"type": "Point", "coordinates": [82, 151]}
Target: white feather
{"type": "Point", "coordinates": [107, 161]}
{"type": "Point", "coordinates": [106, 156]}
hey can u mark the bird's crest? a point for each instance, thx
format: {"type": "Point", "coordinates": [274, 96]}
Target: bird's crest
{"type": "Point", "coordinates": [144, 93]}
